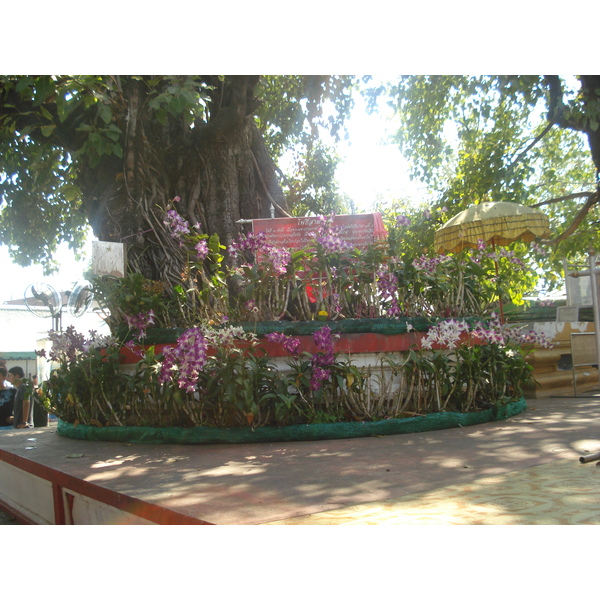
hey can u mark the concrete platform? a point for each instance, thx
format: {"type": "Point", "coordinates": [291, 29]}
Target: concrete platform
{"type": "Point", "coordinates": [521, 471]}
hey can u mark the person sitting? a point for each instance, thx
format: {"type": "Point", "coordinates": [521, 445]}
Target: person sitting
{"type": "Point", "coordinates": [7, 397]}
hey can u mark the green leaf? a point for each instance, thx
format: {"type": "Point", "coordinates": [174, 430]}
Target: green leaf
{"type": "Point", "coordinates": [46, 113]}
{"type": "Point", "coordinates": [71, 192]}
{"type": "Point", "coordinates": [104, 112]}
{"type": "Point", "coordinates": [161, 116]}
{"type": "Point", "coordinates": [47, 130]}
{"type": "Point", "coordinates": [214, 243]}
{"type": "Point", "coordinates": [23, 83]}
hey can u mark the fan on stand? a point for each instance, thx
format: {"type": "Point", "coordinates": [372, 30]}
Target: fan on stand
{"type": "Point", "coordinates": [42, 294]}
{"type": "Point", "coordinates": [80, 299]}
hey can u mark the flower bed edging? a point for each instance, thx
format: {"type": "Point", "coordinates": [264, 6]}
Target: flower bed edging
{"type": "Point", "coordinates": [290, 433]}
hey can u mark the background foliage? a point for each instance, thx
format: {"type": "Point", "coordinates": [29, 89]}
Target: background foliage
{"type": "Point", "coordinates": [533, 140]}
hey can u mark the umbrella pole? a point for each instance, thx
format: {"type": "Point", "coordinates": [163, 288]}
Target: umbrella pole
{"type": "Point", "coordinates": [498, 284]}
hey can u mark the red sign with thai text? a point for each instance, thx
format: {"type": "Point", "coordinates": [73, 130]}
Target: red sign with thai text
{"type": "Point", "coordinates": [296, 232]}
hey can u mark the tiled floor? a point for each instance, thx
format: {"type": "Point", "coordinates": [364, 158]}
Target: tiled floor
{"type": "Point", "coordinates": [524, 470]}
{"type": "Point", "coordinates": [558, 493]}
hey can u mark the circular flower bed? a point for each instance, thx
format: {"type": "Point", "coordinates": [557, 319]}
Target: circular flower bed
{"type": "Point", "coordinates": [332, 337]}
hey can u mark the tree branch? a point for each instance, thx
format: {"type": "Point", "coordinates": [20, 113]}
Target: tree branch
{"type": "Point", "coordinates": [556, 108]}
{"type": "Point", "coordinates": [532, 144]}
{"type": "Point", "coordinates": [593, 199]}
{"type": "Point", "coordinates": [562, 198]}
{"type": "Point", "coordinates": [232, 101]}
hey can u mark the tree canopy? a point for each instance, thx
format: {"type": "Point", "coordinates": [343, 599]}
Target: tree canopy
{"type": "Point", "coordinates": [534, 140]}
{"type": "Point", "coordinates": [111, 151]}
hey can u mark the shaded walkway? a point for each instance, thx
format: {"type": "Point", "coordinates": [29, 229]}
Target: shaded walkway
{"type": "Point", "coordinates": [523, 470]}
{"type": "Point", "coordinates": [559, 493]}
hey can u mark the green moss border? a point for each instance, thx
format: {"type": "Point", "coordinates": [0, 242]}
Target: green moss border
{"type": "Point", "coordinates": [382, 325]}
{"type": "Point", "coordinates": [290, 433]}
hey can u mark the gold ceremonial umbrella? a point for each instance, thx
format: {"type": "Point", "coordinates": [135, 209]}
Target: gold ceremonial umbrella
{"type": "Point", "coordinates": [495, 223]}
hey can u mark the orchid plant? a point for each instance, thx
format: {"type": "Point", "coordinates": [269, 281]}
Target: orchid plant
{"type": "Point", "coordinates": [217, 374]}
{"type": "Point", "coordinates": [220, 377]}
{"type": "Point", "coordinates": [462, 367]}
{"type": "Point", "coordinates": [329, 280]}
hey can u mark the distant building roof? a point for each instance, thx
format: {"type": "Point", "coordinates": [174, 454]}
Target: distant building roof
{"type": "Point", "coordinates": [18, 356]}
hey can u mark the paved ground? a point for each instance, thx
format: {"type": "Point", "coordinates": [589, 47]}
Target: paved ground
{"type": "Point", "coordinates": [524, 470]}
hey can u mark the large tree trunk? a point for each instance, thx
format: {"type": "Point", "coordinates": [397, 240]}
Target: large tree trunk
{"type": "Point", "coordinates": [586, 119]}
{"type": "Point", "coordinates": [220, 169]}
{"type": "Point", "coordinates": [590, 87]}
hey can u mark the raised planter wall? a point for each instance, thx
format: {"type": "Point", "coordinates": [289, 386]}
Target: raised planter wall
{"type": "Point", "coordinates": [367, 343]}
{"type": "Point", "coordinates": [364, 350]}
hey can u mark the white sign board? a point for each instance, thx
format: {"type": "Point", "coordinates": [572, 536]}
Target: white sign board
{"type": "Point", "coordinates": [108, 258]}
{"type": "Point", "coordinates": [579, 290]}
